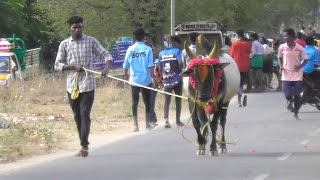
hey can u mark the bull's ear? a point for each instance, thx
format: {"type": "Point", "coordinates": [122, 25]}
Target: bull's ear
{"type": "Point", "coordinates": [186, 73]}
{"type": "Point", "coordinates": [222, 65]}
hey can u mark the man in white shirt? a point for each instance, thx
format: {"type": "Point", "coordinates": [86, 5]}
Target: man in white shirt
{"type": "Point", "coordinates": [193, 40]}
{"type": "Point", "coordinates": [256, 64]}
{"type": "Point", "coordinates": [267, 62]}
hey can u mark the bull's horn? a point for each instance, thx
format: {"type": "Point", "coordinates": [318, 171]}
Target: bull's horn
{"type": "Point", "coordinates": [214, 51]}
{"type": "Point", "coordinates": [188, 51]}
{"type": "Point", "coordinates": [199, 45]}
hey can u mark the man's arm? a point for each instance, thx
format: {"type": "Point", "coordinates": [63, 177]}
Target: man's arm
{"type": "Point", "coordinates": [61, 63]}
{"type": "Point", "coordinates": [280, 62]}
{"type": "Point", "coordinates": [107, 68]}
{"type": "Point", "coordinates": [179, 58]}
{"type": "Point", "coordinates": [304, 63]}
{"type": "Point", "coordinates": [280, 57]}
{"type": "Point", "coordinates": [184, 59]}
{"type": "Point", "coordinates": [317, 58]}
{"type": "Point", "coordinates": [126, 64]}
{"type": "Point", "coordinates": [253, 50]}
{"type": "Point", "coordinates": [151, 64]}
{"type": "Point", "coordinates": [98, 49]}
{"type": "Point", "coordinates": [126, 75]}
{"type": "Point", "coordinates": [303, 56]}
{"type": "Point", "coordinates": [231, 51]}
{"type": "Point", "coordinates": [298, 67]}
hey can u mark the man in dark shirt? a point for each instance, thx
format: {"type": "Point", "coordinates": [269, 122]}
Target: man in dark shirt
{"type": "Point", "coordinates": [171, 65]}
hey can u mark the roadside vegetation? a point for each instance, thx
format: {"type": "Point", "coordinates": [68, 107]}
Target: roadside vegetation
{"type": "Point", "coordinates": [38, 120]}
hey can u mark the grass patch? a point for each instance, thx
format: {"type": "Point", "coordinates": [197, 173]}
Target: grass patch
{"type": "Point", "coordinates": [41, 121]}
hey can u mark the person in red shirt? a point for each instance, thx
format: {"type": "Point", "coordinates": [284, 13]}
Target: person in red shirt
{"type": "Point", "coordinates": [300, 40]}
{"type": "Point", "coordinates": [240, 51]}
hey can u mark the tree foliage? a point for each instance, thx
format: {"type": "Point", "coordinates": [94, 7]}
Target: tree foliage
{"type": "Point", "coordinates": [43, 22]}
{"type": "Point", "coordinates": [24, 19]}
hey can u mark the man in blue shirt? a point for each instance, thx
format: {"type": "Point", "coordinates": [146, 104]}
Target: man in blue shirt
{"type": "Point", "coordinates": [139, 60]}
{"type": "Point", "coordinates": [313, 56]}
{"type": "Point", "coordinates": [309, 71]}
{"type": "Point", "coordinates": [171, 64]}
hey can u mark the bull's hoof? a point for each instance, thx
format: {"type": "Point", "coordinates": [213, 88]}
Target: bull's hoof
{"type": "Point", "coordinates": [223, 150]}
{"type": "Point", "coordinates": [213, 153]}
{"type": "Point", "coordinates": [201, 152]}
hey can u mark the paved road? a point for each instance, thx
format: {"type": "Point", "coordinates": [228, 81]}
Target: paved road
{"type": "Point", "coordinates": [272, 145]}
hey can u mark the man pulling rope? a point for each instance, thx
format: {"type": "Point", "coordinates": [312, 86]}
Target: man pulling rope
{"type": "Point", "coordinates": [74, 55]}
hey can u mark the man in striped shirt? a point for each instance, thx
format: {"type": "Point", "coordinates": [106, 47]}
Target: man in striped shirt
{"type": "Point", "coordinates": [76, 53]}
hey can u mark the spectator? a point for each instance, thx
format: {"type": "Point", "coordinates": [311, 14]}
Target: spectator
{"type": "Point", "coordinates": [275, 64]}
{"type": "Point", "coordinates": [309, 69]}
{"type": "Point", "coordinates": [139, 60]}
{"type": "Point", "coordinates": [171, 65]}
{"type": "Point", "coordinates": [267, 62]}
{"type": "Point", "coordinates": [193, 47]}
{"type": "Point", "coordinates": [155, 52]}
{"type": "Point", "coordinates": [240, 51]}
{"type": "Point", "coordinates": [256, 64]}
{"type": "Point", "coordinates": [300, 40]}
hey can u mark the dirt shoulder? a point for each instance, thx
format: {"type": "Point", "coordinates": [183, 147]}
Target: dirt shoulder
{"type": "Point", "coordinates": [97, 140]}
{"type": "Point", "coordinates": [122, 131]}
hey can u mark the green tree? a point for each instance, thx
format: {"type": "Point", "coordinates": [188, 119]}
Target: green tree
{"type": "Point", "coordinates": [149, 14]}
{"type": "Point", "coordinates": [12, 17]}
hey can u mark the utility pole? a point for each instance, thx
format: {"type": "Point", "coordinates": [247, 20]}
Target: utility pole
{"type": "Point", "coordinates": [172, 16]}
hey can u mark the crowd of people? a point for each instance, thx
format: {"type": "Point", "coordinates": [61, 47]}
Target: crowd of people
{"type": "Point", "coordinates": [290, 58]}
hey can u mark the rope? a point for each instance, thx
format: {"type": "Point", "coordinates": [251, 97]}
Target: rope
{"type": "Point", "coordinates": [184, 127]}
{"type": "Point", "coordinates": [139, 85]}
{"type": "Point", "coordinates": [219, 140]}
{"type": "Point", "coordinates": [76, 88]}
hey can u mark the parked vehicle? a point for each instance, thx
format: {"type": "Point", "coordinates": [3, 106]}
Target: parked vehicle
{"type": "Point", "coordinates": [15, 59]}
{"type": "Point", "coordinates": [311, 92]}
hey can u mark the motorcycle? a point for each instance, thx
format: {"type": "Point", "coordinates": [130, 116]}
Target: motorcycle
{"type": "Point", "coordinates": [310, 93]}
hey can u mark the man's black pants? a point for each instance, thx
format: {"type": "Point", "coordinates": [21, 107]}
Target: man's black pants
{"type": "Point", "coordinates": [146, 96]}
{"type": "Point", "coordinates": [178, 91]}
{"type": "Point", "coordinates": [81, 108]}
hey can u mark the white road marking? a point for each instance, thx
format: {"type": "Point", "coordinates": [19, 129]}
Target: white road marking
{"type": "Point", "coordinates": [262, 177]}
{"type": "Point", "coordinates": [285, 156]}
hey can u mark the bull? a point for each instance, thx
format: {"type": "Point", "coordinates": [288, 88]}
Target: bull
{"type": "Point", "coordinates": [213, 81]}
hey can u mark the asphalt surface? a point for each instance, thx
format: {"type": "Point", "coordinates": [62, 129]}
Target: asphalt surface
{"type": "Point", "coordinates": [271, 145]}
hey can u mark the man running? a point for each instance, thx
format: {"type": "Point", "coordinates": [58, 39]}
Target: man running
{"type": "Point", "coordinates": [290, 56]}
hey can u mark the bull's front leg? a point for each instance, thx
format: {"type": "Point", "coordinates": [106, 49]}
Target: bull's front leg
{"type": "Point", "coordinates": [197, 126]}
{"type": "Point", "coordinates": [223, 121]}
{"type": "Point", "coordinates": [214, 127]}
{"type": "Point", "coordinates": [203, 126]}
